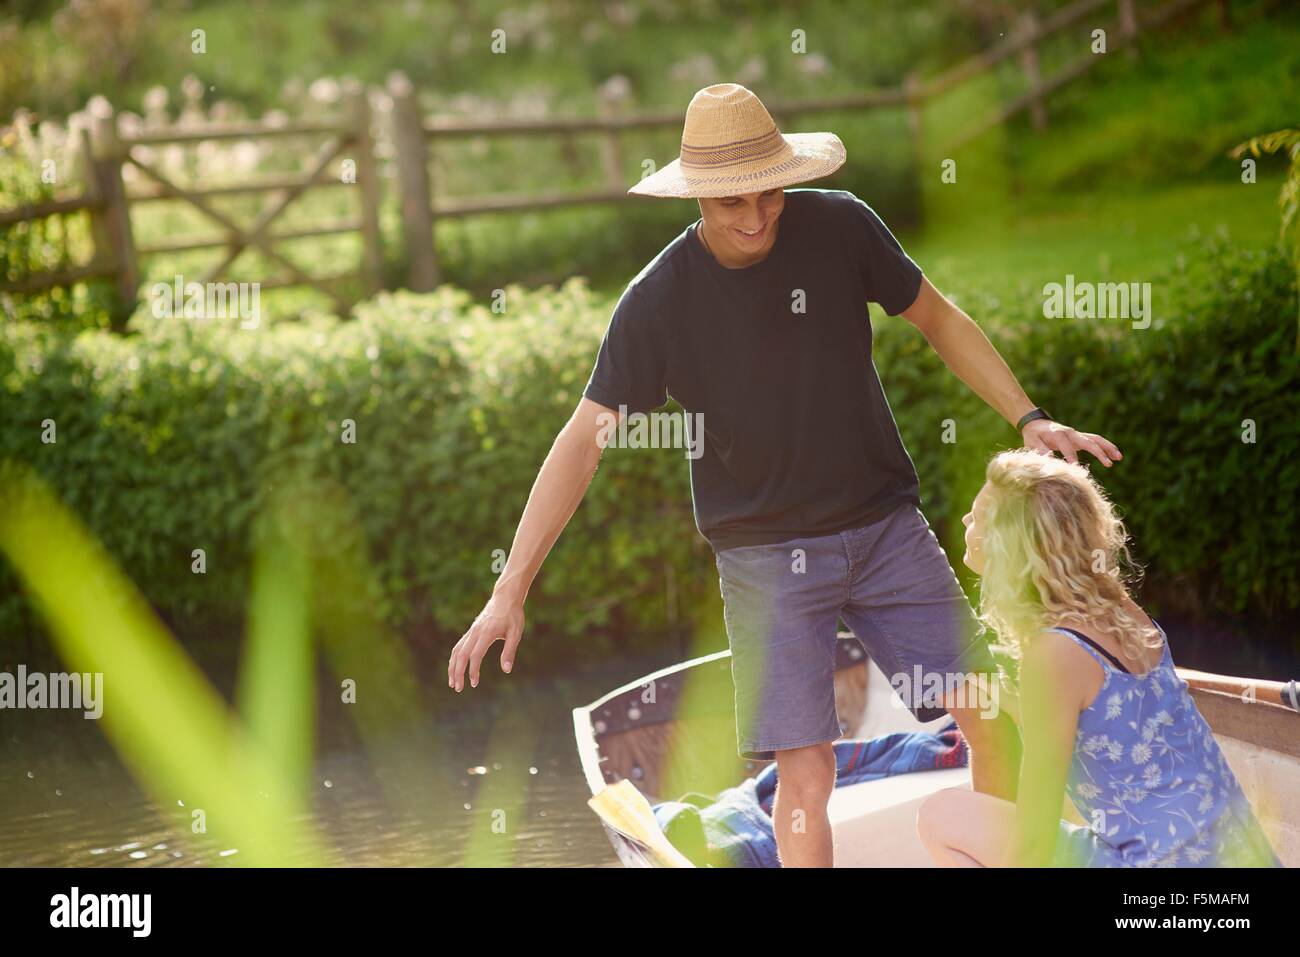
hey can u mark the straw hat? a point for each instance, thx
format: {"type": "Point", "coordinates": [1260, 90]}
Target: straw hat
{"type": "Point", "coordinates": [730, 146]}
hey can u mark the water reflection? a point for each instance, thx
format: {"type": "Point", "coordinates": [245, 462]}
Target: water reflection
{"type": "Point", "coordinates": [65, 799]}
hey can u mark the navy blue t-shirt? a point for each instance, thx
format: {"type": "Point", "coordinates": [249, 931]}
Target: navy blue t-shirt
{"type": "Point", "coordinates": [799, 439]}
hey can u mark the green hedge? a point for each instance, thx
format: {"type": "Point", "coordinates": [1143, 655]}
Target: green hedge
{"type": "Point", "coordinates": [167, 441]}
{"type": "Point", "coordinates": [169, 438]}
{"type": "Point", "coordinates": [1214, 518]}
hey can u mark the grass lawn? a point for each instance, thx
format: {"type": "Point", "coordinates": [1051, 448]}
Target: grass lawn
{"type": "Point", "coordinates": [1129, 237]}
{"type": "Point", "coordinates": [1132, 237]}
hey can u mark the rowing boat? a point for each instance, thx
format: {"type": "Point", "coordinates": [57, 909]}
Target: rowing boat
{"type": "Point", "coordinates": [673, 732]}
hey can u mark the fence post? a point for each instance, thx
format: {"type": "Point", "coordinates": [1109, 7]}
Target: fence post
{"type": "Point", "coordinates": [111, 220]}
{"type": "Point", "coordinates": [1128, 26]}
{"type": "Point", "coordinates": [611, 155]}
{"type": "Point", "coordinates": [1225, 16]}
{"type": "Point", "coordinates": [915, 111]}
{"type": "Point", "coordinates": [611, 101]}
{"type": "Point", "coordinates": [1033, 76]}
{"type": "Point", "coordinates": [413, 184]}
{"type": "Point", "coordinates": [363, 148]}
{"type": "Point", "coordinates": [102, 254]}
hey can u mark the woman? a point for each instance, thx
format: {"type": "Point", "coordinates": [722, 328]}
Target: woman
{"type": "Point", "coordinates": [1104, 717]}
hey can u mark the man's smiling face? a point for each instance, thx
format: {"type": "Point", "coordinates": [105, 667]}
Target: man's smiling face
{"type": "Point", "coordinates": [742, 228]}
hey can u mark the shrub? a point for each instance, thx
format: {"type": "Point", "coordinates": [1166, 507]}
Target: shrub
{"type": "Point", "coordinates": [169, 440]}
{"type": "Point", "coordinates": [1213, 516]}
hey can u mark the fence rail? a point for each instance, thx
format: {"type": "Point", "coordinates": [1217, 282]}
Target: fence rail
{"type": "Point", "coordinates": [416, 138]}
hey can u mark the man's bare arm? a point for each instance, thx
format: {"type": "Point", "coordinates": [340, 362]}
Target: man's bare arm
{"type": "Point", "coordinates": [561, 483]}
{"type": "Point", "coordinates": [968, 353]}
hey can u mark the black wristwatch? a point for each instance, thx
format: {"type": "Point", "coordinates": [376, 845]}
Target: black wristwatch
{"type": "Point", "coordinates": [1030, 416]}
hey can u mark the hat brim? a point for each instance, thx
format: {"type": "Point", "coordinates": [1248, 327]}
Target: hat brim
{"type": "Point", "coordinates": [814, 155]}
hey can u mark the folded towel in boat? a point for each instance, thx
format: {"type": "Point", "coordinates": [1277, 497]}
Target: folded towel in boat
{"type": "Point", "coordinates": [734, 828]}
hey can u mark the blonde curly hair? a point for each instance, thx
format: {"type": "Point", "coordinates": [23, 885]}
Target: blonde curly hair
{"type": "Point", "coordinates": [1054, 548]}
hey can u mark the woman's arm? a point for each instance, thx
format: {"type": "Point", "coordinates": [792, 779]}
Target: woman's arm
{"type": "Point", "coordinates": [1053, 685]}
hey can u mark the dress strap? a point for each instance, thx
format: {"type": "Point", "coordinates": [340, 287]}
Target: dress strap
{"type": "Point", "coordinates": [1096, 647]}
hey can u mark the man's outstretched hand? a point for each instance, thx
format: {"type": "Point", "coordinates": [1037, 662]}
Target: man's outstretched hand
{"type": "Point", "coordinates": [500, 620]}
{"type": "Point", "coordinates": [1044, 435]}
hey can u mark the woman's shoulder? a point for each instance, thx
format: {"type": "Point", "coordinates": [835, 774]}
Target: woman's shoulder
{"type": "Point", "coordinates": [1053, 658]}
{"type": "Point", "coordinates": [1084, 633]}
{"type": "Point", "coordinates": [1051, 648]}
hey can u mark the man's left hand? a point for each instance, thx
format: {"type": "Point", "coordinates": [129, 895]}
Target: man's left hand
{"type": "Point", "coordinates": [1044, 435]}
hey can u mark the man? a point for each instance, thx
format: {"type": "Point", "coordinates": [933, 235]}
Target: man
{"type": "Point", "coordinates": [755, 319]}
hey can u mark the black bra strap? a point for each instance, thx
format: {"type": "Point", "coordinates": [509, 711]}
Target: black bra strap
{"type": "Point", "coordinates": [1113, 659]}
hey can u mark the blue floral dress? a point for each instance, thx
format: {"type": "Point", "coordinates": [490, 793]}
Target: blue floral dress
{"type": "Point", "coordinates": [1150, 778]}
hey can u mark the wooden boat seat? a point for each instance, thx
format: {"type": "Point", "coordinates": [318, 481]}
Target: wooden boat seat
{"type": "Point", "coordinates": [874, 822]}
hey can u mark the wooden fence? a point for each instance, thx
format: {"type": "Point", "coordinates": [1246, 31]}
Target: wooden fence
{"type": "Point", "coordinates": [351, 133]}
{"type": "Point", "coordinates": [415, 138]}
{"type": "Point", "coordinates": [106, 151]}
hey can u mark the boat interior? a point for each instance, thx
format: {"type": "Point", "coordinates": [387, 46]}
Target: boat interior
{"type": "Point", "coordinates": [673, 732]}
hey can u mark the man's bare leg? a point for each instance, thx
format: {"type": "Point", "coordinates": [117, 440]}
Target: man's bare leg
{"type": "Point", "coordinates": [994, 742]}
{"type": "Point", "coordinates": [805, 780]}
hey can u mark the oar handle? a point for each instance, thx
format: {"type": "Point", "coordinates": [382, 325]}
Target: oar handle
{"type": "Point", "coordinates": [1285, 693]}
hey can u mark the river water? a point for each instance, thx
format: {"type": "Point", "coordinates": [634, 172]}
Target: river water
{"type": "Point", "coordinates": [67, 800]}
{"type": "Point", "coordinates": [431, 793]}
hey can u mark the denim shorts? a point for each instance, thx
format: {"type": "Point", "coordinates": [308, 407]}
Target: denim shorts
{"type": "Point", "coordinates": [889, 581]}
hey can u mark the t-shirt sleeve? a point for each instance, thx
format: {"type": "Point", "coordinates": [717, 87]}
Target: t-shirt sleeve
{"type": "Point", "coordinates": [630, 367]}
{"type": "Point", "coordinates": [892, 279]}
